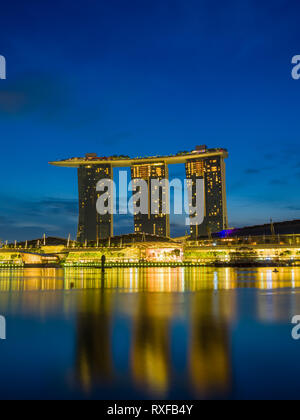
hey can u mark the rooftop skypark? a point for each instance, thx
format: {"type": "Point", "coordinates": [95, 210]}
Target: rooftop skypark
{"type": "Point", "coordinates": [119, 161]}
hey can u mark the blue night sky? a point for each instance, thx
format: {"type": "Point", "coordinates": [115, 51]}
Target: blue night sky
{"type": "Point", "coordinates": [142, 78]}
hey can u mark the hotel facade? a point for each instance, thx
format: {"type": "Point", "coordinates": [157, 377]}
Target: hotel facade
{"type": "Point", "coordinates": [91, 225]}
{"type": "Point", "coordinates": [202, 163]}
{"type": "Point", "coordinates": [158, 222]}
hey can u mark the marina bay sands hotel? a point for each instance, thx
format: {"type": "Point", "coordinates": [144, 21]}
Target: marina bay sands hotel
{"type": "Point", "coordinates": [201, 163]}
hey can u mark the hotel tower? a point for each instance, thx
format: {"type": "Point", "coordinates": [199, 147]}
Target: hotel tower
{"type": "Point", "coordinates": [212, 170]}
{"type": "Point", "coordinates": [92, 226]}
{"type": "Point", "coordinates": [158, 222]}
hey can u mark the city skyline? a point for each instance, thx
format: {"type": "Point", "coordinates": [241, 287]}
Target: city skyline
{"type": "Point", "coordinates": [159, 78]}
{"type": "Point", "coordinates": [149, 202]}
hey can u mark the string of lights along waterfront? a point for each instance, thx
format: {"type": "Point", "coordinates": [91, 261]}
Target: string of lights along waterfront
{"type": "Point", "coordinates": [201, 163]}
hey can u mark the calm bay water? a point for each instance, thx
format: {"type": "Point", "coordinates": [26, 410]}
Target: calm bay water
{"type": "Point", "coordinates": [175, 333]}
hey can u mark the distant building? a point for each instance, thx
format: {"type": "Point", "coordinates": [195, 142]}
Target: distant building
{"type": "Point", "coordinates": [92, 226]}
{"type": "Point", "coordinates": [158, 223]}
{"type": "Point", "coordinates": [290, 227]}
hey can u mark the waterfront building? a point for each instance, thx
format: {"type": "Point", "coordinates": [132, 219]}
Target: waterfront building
{"type": "Point", "coordinates": [212, 170]}
{"type": "Point", "coordinates": [201, 163]}
{"type": "Point", "coordinates": [92, 226]}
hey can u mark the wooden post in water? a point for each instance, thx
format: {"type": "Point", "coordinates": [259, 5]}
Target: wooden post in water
{"type": "Point", "coordinates": [103, 260]}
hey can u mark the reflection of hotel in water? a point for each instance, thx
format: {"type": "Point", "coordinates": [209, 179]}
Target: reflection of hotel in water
{"type": "Point", "coordinates": [152, 348]}
{"type": "Point", "coordinates": [150, 320]}
{"type": "Point", "coordinates": [135, 280]}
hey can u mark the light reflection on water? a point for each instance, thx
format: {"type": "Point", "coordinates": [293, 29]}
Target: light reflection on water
{"type": "Point", "coordinates": [148, 279]}
{"type": "Point", "coordinates": [148, 333]}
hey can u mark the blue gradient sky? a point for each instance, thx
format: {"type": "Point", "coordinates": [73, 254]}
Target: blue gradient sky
{"type": "Point", "coordinates": [147, 77]}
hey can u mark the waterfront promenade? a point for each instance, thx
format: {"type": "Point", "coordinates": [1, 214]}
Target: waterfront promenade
{"type": "Point", "coordinates": [253, 251]}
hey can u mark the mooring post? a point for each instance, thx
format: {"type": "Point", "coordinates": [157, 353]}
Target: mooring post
{"type": "Point", "coordinates": [103, 260]}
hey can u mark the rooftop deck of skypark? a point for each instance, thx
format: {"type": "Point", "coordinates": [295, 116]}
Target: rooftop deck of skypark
{"type": "Point", "coordinates": [123, 161]}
